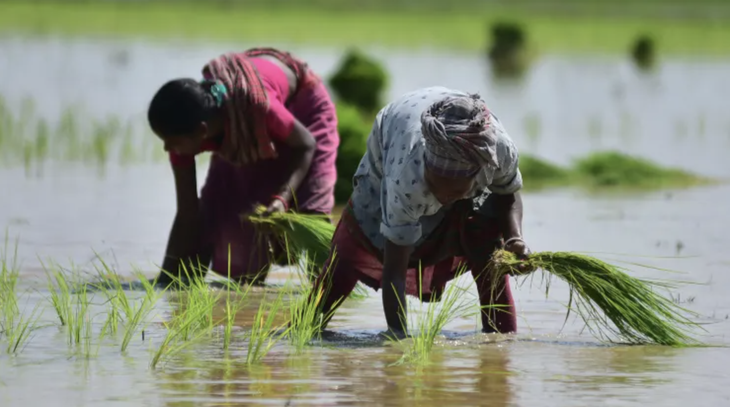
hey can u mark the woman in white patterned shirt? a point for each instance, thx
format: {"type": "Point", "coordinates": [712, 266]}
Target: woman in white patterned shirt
{"type": "Point", "coordinates": [438, 187]}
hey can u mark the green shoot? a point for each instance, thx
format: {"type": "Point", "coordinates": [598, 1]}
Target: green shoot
{"type": "Point", "coordinates": [453, 305]}
{"type": "Point", "coordinates": [264, 333]}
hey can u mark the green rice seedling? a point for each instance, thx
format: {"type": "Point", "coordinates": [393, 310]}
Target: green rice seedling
{"type": "Point", "coordinates": [194, 321]}
{"type": "Point", "coordinates": [9, 273]}
{"type": "Point", "coordinates": [264, 334]}
{"type": "Point", "coordinates": [135, 318]}
{"type": "Point", "coordinates": [307, 317]}
{"type": "Point", "coordinates": [134, 313]}
{"type": "Point", "coordinates": [202, 300]}
{"type": "Point", "coordinates": [195, 304]}
{"type": "Point", "coordinates": [303, 232]}
{"type": "Point", "coordinates": [18, 327]}
{"type": "Point", "coordinates": [118, 303]}
{"type": "Point", "coordinates": [15, 326]}
{"type": "Point", "coordinates": [454, 304]}
{"type": "Point", "coordinates": [610, 302]}
{"type": "Point", "coordinates": [87, 338]}
{"type": "Point", "coordinates": [232, 307]}
{"type": "Point", "coordinates": [233, 304]}
{"type": "Point", "coordinates": [178, 335]}
{"type": "Point", "coordinates": [113, 318]}
{"type": "Point", "coordinates": [78, 318]}
{"type": "Point", "coordinates": [60, 293]}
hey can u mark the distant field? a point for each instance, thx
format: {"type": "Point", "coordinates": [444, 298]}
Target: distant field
{"type": "Point", "coordinates": [568, 28]}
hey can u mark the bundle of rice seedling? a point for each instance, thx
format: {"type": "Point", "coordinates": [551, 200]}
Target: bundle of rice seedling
{"type": "Point", "coordinates": [302, 232]}
{"type": "Point", "coordinates": [607, 299]}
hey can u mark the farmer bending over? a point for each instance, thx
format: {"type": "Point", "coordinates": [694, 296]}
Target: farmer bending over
{"type": "Point", "coordinates": [438, 186]}
{"type": "Point", "coordinates": [272, 128]}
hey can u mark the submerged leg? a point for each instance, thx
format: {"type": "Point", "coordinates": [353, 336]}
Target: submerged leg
{"type": "Point", "coordinates": [497, 302]}
{"type": "Point", "coordinates": [332, 287]}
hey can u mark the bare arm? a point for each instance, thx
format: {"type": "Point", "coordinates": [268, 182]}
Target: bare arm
{"type": "Point", "coordinates": [303, 145]}
{"type": "Point", "coordinates": [185, 236]}
{"type": "Point", "coordinates": [395, 264]}
{"type": "Point", "coordinates": [509, 211]}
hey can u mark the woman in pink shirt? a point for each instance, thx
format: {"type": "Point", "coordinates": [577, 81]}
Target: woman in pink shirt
{"type": "Point", "coordinates": [272, 128]}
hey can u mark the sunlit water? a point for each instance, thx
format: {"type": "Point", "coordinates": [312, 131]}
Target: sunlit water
{"type": "Point", "coordinates": [675, 117]}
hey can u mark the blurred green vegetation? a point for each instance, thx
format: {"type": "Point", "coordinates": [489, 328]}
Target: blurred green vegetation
{"type": "Point", "coordinates": [29, 140]}
{"type": "Point", "coordinates": [360, 81]}
{"type": "Point", "coordinates": [354, 129]}
{"type": "Point", "coordinates": [26, 139]}
{"type": "Point", "coordinates": [686, 27]}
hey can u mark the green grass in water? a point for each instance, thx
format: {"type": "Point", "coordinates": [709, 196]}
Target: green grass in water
{"type": "Point", "coordinates": [306, 313]}
{"type": "Point", "coordinates": [462, 27]}
{"type": "Point", "coordinates": [455, 303]}
{"type": "Point", "coordinates": [606, 170]}
{"type": "Point", "coordinates": [611, 169]}
{"type": "Point", "coordinates": [265, 332]}
{"type": "Point", "coordinates": [16, 325]}
{"type": "Point", "coordinates": [610, 302]}
{"type": "Point", "coordinates": [538, 174]}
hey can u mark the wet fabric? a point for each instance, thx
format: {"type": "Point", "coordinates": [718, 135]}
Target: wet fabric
{"type": "Point", "coordinates": [465, 239]}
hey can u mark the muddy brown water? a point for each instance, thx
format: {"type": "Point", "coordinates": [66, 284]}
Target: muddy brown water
{"type": "Point", "coordinates": [70, 212]}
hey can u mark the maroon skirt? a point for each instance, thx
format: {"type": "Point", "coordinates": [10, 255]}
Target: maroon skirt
{"type": "Point", "coordinates": [465, 240]}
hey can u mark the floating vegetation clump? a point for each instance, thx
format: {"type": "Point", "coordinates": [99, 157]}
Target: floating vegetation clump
{"type": "Point", "coordinates": [618, 170]}
{"type": "Point", "coordinates": [611, 303]}
{"type": "Point", "coordinates": [538, 173]}
{"type": "Point", "coordinates": [607, 170]}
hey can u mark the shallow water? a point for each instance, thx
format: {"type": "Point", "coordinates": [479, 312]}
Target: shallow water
{"type": "Point", "coordinates": [71, 212]}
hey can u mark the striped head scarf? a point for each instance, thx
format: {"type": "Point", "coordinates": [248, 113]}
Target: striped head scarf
{"type": "Point", "coordinates": [246, 102]}
{"type": "Point", "coordinates": [459, 137]}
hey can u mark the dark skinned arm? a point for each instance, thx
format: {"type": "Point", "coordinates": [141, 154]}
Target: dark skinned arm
{"type": "Point", "coordinates": [509, 211]}
{"type": "Point", "coordinates": [302, 144]}
{"type": "Point", "coordinates": [187, 227]}
{"type": "Point", "coordinates": [395, 264]}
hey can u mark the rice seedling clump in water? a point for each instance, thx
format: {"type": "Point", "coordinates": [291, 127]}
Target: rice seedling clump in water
{"type": "Point", "coordinates": [608, 299]}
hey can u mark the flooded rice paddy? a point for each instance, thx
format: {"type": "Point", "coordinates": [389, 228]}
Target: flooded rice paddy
{"type": "Point", "coordinates": [567, 106]}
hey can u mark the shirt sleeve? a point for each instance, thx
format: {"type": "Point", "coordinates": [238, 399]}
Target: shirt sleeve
{"type": "Point", "coordinates": [279, 121]}
{"type": "Point", "coordinates": [507, 179]}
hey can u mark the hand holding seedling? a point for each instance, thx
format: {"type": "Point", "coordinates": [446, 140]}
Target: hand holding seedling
{"type": "Point", "coordinates": [276, 206]}
{"type": "Point", "coordinates": [518, 246]}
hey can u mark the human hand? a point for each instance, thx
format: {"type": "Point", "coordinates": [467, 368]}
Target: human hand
{"type": "Point", "coordinates": [276, 206]}
{"type": "Point", "coordinates": [518, 246]}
